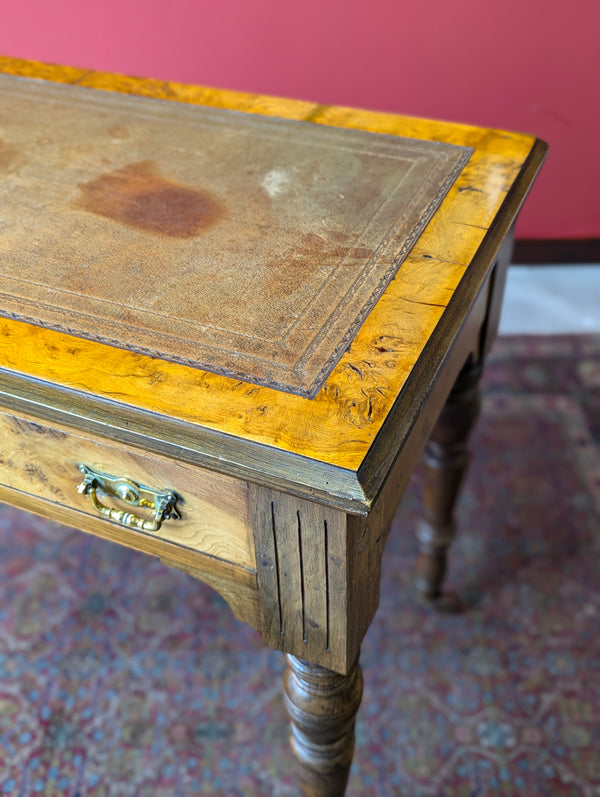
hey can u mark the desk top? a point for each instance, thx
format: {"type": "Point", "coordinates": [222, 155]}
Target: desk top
{"type": "Point", "coordinates": [293, 381]}
{"type": "Point", "coordinates": [240, 244]}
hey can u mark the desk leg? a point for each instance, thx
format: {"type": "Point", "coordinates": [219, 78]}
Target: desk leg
{"type": "Point", "coordinates": [446, 461]}
{"type": "Point", "coordinates": [322, 706]}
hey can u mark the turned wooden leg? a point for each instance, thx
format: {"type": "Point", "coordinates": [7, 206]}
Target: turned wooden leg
{"type": "Point", "coordinates": [446, 461]}
{"type": "Point", "coordinates": [322, 706]}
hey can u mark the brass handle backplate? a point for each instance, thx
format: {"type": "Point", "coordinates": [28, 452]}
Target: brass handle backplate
{"type": "Point", "coordinates": [160, 502]}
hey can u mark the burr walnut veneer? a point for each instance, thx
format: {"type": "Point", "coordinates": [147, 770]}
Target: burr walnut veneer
{"type": "Point", "coordinates": [229, 325]}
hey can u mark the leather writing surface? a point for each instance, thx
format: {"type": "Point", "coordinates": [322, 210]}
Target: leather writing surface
{"type": "Point", "coordinates": [239, 244]}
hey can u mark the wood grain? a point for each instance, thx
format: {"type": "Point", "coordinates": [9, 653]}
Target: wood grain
{"type": "Point", "coordinates": [236, 584]}
{"type": "Point", "coordinates": [318, 574]}
{"type": "Point", "coordinates": [301, 551]}
{"type": "Point", "coordinates": [43, 459]}
{"type": "Point", "coordinates": [339, 426]}
{"type": "Point", "coordinates": [322, 706]}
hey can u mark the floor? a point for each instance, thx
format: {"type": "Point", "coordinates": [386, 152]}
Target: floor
{"type": "Point", "coordinates": [120, 677]}
{"type": "Point", "coordinates": [551, 300]}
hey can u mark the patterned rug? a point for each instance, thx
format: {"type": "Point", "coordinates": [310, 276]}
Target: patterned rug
{"type": "Point", "coordinates": [120, 677]}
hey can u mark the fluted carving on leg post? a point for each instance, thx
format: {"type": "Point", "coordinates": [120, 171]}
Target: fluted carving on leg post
{"type": "Point", "coordinates": [322, 706]}
{"type": "Point", "coordinates": [446, 462]}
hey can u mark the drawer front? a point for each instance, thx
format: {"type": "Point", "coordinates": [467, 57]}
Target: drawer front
{"type": "Point", "coordinates": [43, 459]}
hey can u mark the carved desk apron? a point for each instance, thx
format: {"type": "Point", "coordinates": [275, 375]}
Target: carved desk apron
{"type": "Point", "coordinates": [228, 326]}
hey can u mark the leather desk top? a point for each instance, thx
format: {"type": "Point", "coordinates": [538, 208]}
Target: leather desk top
{"type": "Point", "coordinates": [243, 245]}
{"type": "Point", "coordinates": [394, 234]}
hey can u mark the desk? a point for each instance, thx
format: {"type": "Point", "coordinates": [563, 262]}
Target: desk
{"type": "Point", "coordinates": [268, 465]}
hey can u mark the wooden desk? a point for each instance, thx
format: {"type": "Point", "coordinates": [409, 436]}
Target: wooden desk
{"type": "Point", "coordinates": [285, 468]}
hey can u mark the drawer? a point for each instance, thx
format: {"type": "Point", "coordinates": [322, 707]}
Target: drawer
{"type": "Point", "coordinates": [42, 459]}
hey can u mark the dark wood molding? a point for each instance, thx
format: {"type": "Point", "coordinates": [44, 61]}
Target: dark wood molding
{"type": "Point", "coordinates": [318, 574]}
{"type": "Point", "coordinates": [536, 252]}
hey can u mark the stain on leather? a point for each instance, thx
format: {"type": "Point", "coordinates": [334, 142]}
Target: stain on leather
{"type": "Point", "coordinates": [11, 158]}
{"type": "Point", "coordinates": [138, 196]}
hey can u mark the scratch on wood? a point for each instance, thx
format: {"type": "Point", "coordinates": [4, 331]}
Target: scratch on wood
{"type": "Point", "coordinates": [466, 224]}
{"type": "Point", "coordinates": [425, 304]}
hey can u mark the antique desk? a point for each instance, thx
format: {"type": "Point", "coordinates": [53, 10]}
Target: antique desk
{"type": "Point", "coordinates": [227, 337]}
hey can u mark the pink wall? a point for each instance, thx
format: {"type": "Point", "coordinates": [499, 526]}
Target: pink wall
{"type": "Point", "coordinates": [529, 65]}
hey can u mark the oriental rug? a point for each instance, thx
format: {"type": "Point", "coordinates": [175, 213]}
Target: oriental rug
{"type": "Point", "coordinates": [121, 677]}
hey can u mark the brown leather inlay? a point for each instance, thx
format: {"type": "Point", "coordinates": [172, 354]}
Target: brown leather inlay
{"type": "Point", "coordinates": [248, 246]}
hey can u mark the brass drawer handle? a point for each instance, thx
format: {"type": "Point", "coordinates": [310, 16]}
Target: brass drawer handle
{"type": "Point", "coordinates": [161, 502]}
